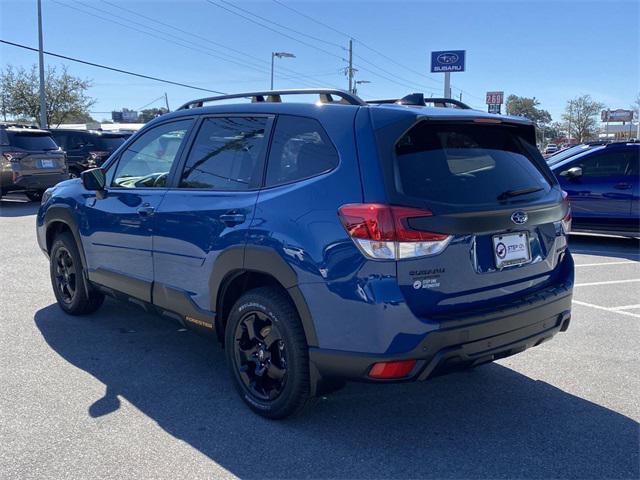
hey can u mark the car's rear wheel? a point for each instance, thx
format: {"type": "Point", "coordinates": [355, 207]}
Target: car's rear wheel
{"type": "Point", "coordinates": [267, 353]}
{"type": "Point", "coordinates": [73, 294]}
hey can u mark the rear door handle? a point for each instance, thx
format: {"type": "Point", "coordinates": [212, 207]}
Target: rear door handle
{"type": "Point", "coordinates": [232, 219]}
{"type": "Point", "coordinates": [622, 186]}
{"type": "Point", "coordinates": [146, 210]}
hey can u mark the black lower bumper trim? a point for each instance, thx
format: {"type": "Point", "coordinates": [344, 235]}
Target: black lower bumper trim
{"type": "Point", "coordinates": [489, 338]}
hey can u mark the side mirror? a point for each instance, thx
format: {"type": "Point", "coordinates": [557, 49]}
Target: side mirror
{"type": "Point", "coordinates": [573, 172]}
{"type": "Point", "coordinates": [94, 179]}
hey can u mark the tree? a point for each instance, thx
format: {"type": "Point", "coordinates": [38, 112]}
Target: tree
{"type": "Point", "coordinates": [527, 107]}
{"type": "Point", "coordinates": [150, 114]}
{"type": "Point", "coordinates": [580, 117]}
{"type": "Point", "coordinates": [65, 95]}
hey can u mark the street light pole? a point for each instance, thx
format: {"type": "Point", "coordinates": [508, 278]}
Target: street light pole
{"type": "Point", "coordinates": [43, 102]}
{"type": "Point", "coordinates": [279, 55]}
{"type": "Point", "coordinates": [359, 82]}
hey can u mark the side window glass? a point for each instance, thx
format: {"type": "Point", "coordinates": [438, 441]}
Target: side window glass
{"type": "Point", "coordinates": [604, 165]}
{"type": "Point", "coordinates": [300, 149]}
{"type": "Point", "coordinates": [225, 154]}
{"type": "Point", "coordinates": [633, 169]}
{"type": "Point", "coordinates": [148, 160]}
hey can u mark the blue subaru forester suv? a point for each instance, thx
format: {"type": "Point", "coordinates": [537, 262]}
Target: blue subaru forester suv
{"type": "Point", "coordinates": [325, 241]}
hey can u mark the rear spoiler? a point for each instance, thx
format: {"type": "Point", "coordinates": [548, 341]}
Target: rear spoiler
{"type": "Point", "coordinates": [418, 99]}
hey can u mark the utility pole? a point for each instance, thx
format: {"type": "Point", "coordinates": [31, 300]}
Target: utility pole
{"type": "Point", "coordinates": [350, 72]}
{"type": "Point", "coordinates": [166, 102]}
{"type": "Point", "coordinates": [43, 101]}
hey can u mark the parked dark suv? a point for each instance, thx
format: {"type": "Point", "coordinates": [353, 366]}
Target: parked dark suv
{"type": "Point", "coordinates": [86, 148]}
{"type": "Point", "coordinates": [326, 241]}
{"type": "Point", "coordinates": [30, 161]}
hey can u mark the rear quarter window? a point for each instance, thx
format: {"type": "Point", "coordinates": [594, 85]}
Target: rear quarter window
{"type": "Point", "coordinates": [464, 164]}
{"type": "Point", "coordinates": [300, 149]}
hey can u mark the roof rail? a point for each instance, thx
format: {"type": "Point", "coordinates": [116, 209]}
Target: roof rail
{"type": "Point", "coordinates": [326, 96]}
{"type": "Point", "coordinates": [17, 125]}
{"type": "Point", "coordinates": [419, 99]}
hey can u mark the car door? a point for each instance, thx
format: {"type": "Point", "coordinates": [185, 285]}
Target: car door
{"type": "Point", "coordinates": [118, 226]}
{"type": "Point", "coordinates": [601, 195]}
{"type": "Point", "coordinates": [207, 212]}
{"type": "Point", "coordinates": [633, 177]}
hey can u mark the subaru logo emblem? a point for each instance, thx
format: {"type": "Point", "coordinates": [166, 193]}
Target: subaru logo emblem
{"type": "Point", "coordinates": [447, 58]}
{"type": "Point", "coordinates": [519, 217]}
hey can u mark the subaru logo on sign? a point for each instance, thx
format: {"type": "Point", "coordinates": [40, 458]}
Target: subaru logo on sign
{"type": "Point", "coordinates": [447, 58]}
{"type": "Point", "coordinates": [519, 217]}
{"type": "Point", "coordinates": [446, 61]}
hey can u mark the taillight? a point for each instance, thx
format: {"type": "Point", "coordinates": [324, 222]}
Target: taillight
{"type": "Point", "coordinates": [14, 156]}
{"type": "Point", "coordinates": [388, 370]}
{"type": "Point", "coordinates": [382, 232]}
{"type": "Point", "coordinates": [566, 221]}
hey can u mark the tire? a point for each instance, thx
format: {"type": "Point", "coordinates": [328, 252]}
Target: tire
{"type": "Point", "coordinates": [34, 196]}
{"type": "Point", "coordinates": [65, 267]}
{"type": "Point", "coordinates": [275, 383]}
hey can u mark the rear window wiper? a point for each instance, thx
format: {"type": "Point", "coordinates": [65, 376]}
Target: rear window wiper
{"type": "Point", "coordinates": [516, 193]}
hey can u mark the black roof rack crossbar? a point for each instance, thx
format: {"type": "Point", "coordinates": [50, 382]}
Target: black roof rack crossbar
{"type": "Point", "coordinates": [326, 96]}
{"type": "Point", "coordinates": [419, 99]}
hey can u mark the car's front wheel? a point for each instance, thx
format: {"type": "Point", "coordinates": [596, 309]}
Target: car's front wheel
{"type": "Point", "coordinates": [73, 294]}
{"type": "Point", "coordinates": [267, 353]}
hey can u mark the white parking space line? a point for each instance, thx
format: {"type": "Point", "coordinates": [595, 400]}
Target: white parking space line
{"type": "Point", "coordinates": [605, 253]}
{"type": "Point", "coordinates": [606, 309]}
{"type": "Point", "coordinates": [605, 263]}
{"type": "Point", "coordinates": [610, 282]}
{"type": "Point", "coordinates": [626, 307]}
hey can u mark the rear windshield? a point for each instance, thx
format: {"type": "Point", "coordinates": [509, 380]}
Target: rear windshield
{"type": "Point", "coordinates": [466, 164]}
{"type": "Point", "coordinates": [108, 143]}
{"type": "Point", "coordinates": [31, 141]}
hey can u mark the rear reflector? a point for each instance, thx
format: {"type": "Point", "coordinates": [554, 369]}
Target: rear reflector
{"type": "Point", "coordinates": [382, 232]}
{"type": "Point", "coordinates": [387, 370]}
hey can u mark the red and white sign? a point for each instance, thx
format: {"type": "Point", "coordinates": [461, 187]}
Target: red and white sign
{"type": "Point", "coordinates": [495, 98]}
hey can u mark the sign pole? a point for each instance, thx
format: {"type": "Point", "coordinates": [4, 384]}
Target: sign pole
{"type": "Point", "coordinates": [447, 84]}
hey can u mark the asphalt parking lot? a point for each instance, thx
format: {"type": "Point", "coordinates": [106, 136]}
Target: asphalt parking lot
{"type": "Point", "coordinates": [124, 394]}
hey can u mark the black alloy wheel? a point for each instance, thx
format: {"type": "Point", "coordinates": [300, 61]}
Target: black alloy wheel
{"type": "Point", "coordinates": [66, 275]}
{"type": "Point", "coordinates": [267, 353]}
{"type": "Point", "coordinates": [261, 356]}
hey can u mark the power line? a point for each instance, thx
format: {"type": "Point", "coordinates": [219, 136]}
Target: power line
{"type": "Point", "coordinates": [161, 97]}
{"type": "Point", "coordinates": [197, 49]}
{"type": "Point", "coordinates": [113, 69]}
{"type": "Point", "coordinates": [208, 40]}
{"type": "Point", "coordinates": [276, 31]}
{"type": "Point", "coordinates": [317, 39]}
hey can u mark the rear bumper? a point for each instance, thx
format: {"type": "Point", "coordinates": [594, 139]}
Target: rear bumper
{"type": "Point", "coordinates": [480, 339]}
{"type": "Point", "coordinates": [38, 182]}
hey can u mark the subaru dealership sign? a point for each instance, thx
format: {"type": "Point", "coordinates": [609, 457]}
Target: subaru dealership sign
{"type": "Point", "coordinates": [447, 61]}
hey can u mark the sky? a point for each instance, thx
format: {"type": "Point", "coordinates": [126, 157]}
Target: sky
{"type": "Point", "coordinates": [550, 50]}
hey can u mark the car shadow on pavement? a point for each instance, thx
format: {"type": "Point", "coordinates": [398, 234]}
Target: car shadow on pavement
{"type": "Point", "coordinates": [17, 206]}
{"type": "Point", "coordinates": [488, 423]}
{"type": "Point", "coordinates": [617, 247]}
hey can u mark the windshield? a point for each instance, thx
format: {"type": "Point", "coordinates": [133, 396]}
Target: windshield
{"type": "Point", "coordinates": [466, 164]}
{"type": "Point", "coordinates": [31, 141]}
{"type": "Point", "coordinates": [108, 143]}
{"type": "Point", "coordinates": [569, 152]}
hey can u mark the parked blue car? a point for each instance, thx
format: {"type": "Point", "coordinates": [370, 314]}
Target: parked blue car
{"type": "Point", "coordinates": [325, 241]}
{"type": "Point", "coordinates": [603, 184]}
